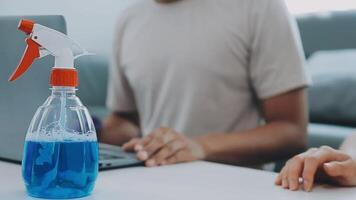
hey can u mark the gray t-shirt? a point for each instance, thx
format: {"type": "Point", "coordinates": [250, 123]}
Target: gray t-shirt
{"type": "Point", "coordinates": [203, 66]}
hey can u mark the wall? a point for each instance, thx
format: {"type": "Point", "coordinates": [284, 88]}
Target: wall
{"type": "Point", "coordinates": [307, 6]}
{"type": "Point", "coordinates": [87, 21]}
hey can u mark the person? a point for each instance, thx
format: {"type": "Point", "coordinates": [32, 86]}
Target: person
{"type": "Point", "coordinates": [221, 81]}
{"type": "Point", "coordinates": [321, 164]}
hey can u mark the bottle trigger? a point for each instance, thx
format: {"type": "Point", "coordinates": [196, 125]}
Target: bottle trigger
{"type": "Point", "coordinates": [31, 53]}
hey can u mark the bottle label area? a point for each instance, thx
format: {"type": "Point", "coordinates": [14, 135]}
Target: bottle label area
{"type": "Point", "coordinates": [60, 169]}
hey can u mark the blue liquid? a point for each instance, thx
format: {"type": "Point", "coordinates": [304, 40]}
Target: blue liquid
{"type": "Point", "coordinates": [60, 169]}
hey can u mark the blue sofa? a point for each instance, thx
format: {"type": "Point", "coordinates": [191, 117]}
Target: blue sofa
{"type": "Point", "coordinates": [329, 32]}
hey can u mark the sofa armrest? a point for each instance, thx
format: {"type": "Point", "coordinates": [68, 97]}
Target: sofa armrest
{"type": "Point", "coordinates": [330, 135]}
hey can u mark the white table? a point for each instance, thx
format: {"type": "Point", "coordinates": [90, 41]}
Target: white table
{"type": "Point", "coordinates": [196, 181]}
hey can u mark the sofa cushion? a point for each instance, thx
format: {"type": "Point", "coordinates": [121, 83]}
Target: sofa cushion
{"type": "Point", "coordinates": [332, 96]}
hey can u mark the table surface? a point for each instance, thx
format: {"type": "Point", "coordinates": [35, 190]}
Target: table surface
{"type": "Point", "coordinates": [197, 180]}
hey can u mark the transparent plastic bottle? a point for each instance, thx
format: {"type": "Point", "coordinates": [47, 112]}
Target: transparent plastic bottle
{"type": "Point", "coordinates": [60, 157]}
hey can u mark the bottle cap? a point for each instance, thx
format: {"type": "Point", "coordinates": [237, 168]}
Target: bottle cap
{"type": "Point", "coordinates": [64, 77]}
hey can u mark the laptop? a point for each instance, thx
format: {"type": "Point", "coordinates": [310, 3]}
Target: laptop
{"type": "Point", "coordinates": [113, 157]}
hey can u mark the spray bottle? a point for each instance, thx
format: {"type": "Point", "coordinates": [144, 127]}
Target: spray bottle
{"type": "Point", "coordinates": [60, 157]}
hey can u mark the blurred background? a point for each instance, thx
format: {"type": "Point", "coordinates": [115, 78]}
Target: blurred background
{"type": "Point", "coordinates": [327, 29]}
{"type": "Point", "coordinates": [102, 15]}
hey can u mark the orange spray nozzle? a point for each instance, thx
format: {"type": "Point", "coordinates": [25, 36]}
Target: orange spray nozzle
{"type": "Point", "coordinates": [31, 53]}
{"type": "Point", "coordinates": [42, 41]}
{"type": "Point", "coordinates": [26, 26]}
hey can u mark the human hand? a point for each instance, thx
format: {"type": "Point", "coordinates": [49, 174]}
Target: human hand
{"type": "Point", "coordinates": [165, 146]}
{"type": "Point", "coordinates": [324, 163]}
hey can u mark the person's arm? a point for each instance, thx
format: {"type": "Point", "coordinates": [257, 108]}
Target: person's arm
{"type": "Point", "coordinates": [321, 164]}
{"type": "Point", "coordinates": [119, 128]}
{"type": "Point", "coordinates": [283, 135]}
